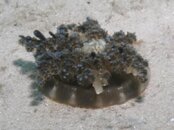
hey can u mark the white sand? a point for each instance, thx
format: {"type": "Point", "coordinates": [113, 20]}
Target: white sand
{"type": "Point", "coordinates": [21, 107]}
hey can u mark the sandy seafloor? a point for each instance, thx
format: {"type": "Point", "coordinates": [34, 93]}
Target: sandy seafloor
{"type": "Point", "coordinates": [23, 107]}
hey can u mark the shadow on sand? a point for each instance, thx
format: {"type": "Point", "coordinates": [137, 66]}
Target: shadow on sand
{"type": "Point", "coordinates": [29, 68]}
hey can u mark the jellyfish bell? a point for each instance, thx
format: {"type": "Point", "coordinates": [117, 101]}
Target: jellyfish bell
{"type": "Point", "coordinates": [121, 88]}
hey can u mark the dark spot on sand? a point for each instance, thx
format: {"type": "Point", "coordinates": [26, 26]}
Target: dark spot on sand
{"type": "Point", "coordinates": [3, 68]}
